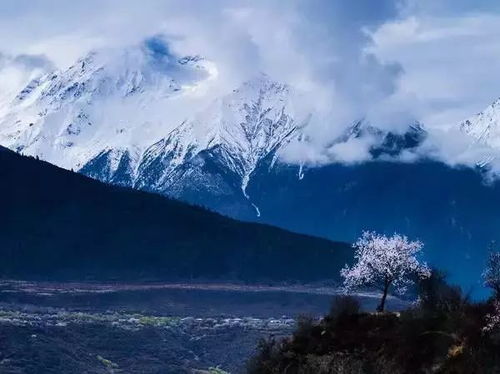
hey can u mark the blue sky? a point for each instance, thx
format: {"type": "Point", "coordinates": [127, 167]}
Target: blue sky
{"type": "Point", "coordinates": [393, 61]}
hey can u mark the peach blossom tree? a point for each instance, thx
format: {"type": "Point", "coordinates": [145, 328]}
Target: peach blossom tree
{"type": "Point", "coordinates": [384, 263]}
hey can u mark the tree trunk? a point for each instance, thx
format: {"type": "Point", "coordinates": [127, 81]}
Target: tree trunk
{"type": "Point", "coordinates": [381, 306]}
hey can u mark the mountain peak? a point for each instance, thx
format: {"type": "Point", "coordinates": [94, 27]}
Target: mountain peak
{"type": "Point", "coordinates": [386, 143]}
{"type": "Point", "coordinates": [113, 115]}
{"type": "Point", "coordinates": [114, 72]}
{"type": "Point", "coordinates": [237, 130]}
{"type": "Point", "coordinates": [69, 116]}
{"type": "Point", "coordinates": [484, 127]}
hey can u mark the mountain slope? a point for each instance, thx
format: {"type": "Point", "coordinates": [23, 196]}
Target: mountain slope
{"type": "Point", "coordinates": [114, 115]}
{"type": "Point", "coordinates": [484, 131]}
{"type": "Point", "coordinates": [237, 130]}
{"type": "Point", "coordinates": [214, 153]}
{"type": "Point", "coordinates": [452, 210]}
{"type": "Point", "coordinates": [68, 117]}
{"type": "Point", "coordinates": [132, 117]}
{"type": "Point", "coordinates": [61, 225]}
{"type": "Point", "coordinates": [485, 126]}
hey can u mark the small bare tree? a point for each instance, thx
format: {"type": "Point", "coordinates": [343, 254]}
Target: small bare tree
{"type": "Point", "coordinates": [383, 262]}
{"type": "Point", "coordinates": [491, 274]}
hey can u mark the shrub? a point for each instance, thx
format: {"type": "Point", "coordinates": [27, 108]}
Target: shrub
{"type": "Point", "coordinates": [444, 333]}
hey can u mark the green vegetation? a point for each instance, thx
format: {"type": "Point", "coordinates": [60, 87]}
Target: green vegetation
{"type": "Point", "coordinates": [158, 321]}
{"type": "Point", "coordinates": [216, 371]}
{"type": "Point", "coordinates": [64, 318]}
{"type": "Point", "coordinates": [108, 363]}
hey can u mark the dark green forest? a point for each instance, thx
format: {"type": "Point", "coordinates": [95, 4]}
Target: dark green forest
{"type": "Point", "coordinates": [59, 225]}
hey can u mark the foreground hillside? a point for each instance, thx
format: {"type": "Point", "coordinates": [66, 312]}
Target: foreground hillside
{"type": "Point", "coordinates": [444, 333]}
{"type": "Point", "coordinates": [61, 225]}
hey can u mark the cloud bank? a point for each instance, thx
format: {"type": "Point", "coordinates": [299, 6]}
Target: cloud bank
{"type": "Point", "coordinates": [391, 62]}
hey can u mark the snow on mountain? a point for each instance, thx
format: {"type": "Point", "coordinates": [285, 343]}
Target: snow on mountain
{"type": "Point", "coordinates": [387, 143]}
{"type": "Point", "coordinates": [115, 116]}
{"type": "Point", "coordinates": [67, 117]}
{"type": "Point", "coordinates": [16, 72]}
{"type": "Point", "coordinates": [237, 130]}
{"type": "Point", "coordinates": [485, 126]}
{"type": "Point", "coordinates": [484, 130]}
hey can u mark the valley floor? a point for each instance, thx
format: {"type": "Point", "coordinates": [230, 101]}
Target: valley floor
{"type": "Point", "coordinates": [146, 328]}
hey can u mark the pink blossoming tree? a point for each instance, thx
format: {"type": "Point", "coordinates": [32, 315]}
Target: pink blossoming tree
{"type": "Point", "coordinates": [384, 262]}
{"type": "Point", "coordinates": [491, 274]}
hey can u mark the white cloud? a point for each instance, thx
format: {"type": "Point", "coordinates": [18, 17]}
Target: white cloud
{"type": "Point", "coordinates": [449, 63]}
{"type": "Point", "coordinates": [352, 151]}
{"type": "Point", "coordinates": [390, 61]}
{"type": "Point", "coordinates": [17, 71]}
{"type": "Point", "coordinates": [450, 73]}
{"type": "Point", "coordinates": [316, 46]}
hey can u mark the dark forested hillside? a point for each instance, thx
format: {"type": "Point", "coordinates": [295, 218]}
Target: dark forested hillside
{"type": "Point", "coordinates": [56, 224]}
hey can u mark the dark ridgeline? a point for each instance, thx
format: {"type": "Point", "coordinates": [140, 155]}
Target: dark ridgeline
{"type": "Point", "coordinates": [56, 224]}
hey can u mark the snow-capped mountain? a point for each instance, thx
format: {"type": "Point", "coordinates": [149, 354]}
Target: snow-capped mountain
{"type": "Point", "coordinates": [133, 117]}
{"type": "Point", "coordinates": [67, 117]}
{"type": "Point", "coordinates": [237, 131]}
{"type": "Point", "coordinates": [113, 115]}
{"type": "Point", "coordinates": [484, 131]}
{"type": "Point", "coordinates": [485, 126]}
{"type": "Point", "coordinates": [386, 143]}
{"type": "Point", "coordinates": [216, 151]}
